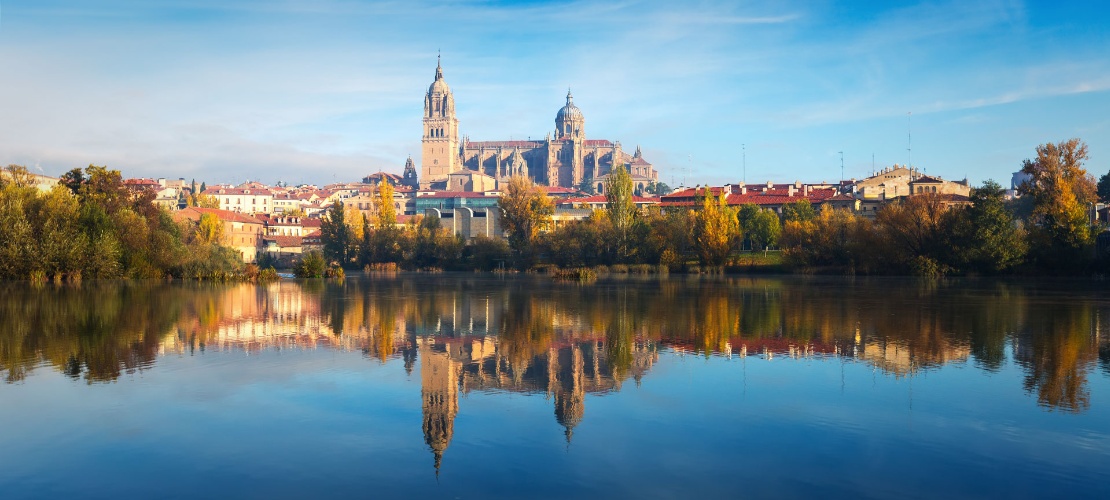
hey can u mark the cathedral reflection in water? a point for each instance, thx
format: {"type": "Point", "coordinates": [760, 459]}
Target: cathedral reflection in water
{"type": "Point", "coordinates": [564, 342]}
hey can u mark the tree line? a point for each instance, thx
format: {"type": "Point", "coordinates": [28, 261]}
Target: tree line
{"type": "Point", "coordinates": [91, 225]}
{"type": "Point", "coordinates": [1047, 230]}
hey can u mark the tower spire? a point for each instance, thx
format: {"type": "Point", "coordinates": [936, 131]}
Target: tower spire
{"type": "Point", "coordinates": [439, 68]}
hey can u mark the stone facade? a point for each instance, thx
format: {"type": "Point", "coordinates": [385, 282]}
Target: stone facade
{"type": "Point", "coordinates": [566, 159]}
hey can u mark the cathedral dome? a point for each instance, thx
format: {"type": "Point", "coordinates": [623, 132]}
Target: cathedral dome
{"type": "Point", "coordinates": [570, 111]}
{"type": "Point", "coordinates": [439, 86]}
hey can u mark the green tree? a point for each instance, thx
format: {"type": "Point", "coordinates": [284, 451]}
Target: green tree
{"type": "Point", "coordinates": [991, 239]}
{"type": "Point", "coordinates": [73, 180]}
{"type": "Point", "coordinates": [1104, 188]}
{"type": "Point", "coordinates": [622, 211]}
{"type": "Point", "coordinates": [335, 235]}
{"type": "Point", "coordinates": [526, 209]}
{"type": "Point", "coordinates": [764, 230]}
{"type": "Point", "coordinates": [746, 216]}
{"type": "Point", "coordinates": [800, 211]}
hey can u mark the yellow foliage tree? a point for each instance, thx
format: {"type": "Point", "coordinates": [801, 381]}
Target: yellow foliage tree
{"type": "Point", "coordinates": [717, 230]}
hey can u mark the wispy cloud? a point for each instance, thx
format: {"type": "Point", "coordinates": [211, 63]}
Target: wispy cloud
{"type": "Point", "coordinates": [336, 85]}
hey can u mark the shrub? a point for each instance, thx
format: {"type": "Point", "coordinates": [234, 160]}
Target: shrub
{"type": "Point", "coordinates": [311, 266]}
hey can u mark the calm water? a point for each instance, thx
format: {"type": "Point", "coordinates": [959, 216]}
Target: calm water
{"type": "Point", "coordinates": [476, 386]}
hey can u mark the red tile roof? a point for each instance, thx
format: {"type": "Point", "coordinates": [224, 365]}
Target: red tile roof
{"type": "Point", "coordinates": [284, 241]}
{"type": "Point", "coordinates": [225, 190]}
{"type": "Point", "coordinates": [602, 199]}
{"type": "Point", "coordinates": [194, 213]}
{"type": "Point", "coordinates": [455, 194]}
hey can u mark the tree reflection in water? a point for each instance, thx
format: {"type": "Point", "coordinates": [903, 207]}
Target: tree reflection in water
{"type": "Point", "coordinates": [566, 340]}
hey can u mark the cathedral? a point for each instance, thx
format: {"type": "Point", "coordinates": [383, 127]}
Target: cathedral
{"type": "Point", "coordinates": [566, 159]}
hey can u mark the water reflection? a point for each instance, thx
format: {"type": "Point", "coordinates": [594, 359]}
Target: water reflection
{"type": "Point", "coordinates": [564, 341]}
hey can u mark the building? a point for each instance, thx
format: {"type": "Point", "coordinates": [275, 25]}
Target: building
{"type": "Point", "coordinates": [241, 232]}
{"type": "Point", "coordinates": [247, 200]}
{"type": "Point", "coordinates": [768, 196]}
{"type": "Point", "coordinates": [567, 158]}
{"type": "Point", "coordinates": [898, 181]}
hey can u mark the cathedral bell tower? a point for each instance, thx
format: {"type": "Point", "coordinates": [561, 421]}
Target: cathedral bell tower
{"type": "Point", "coordinates": [568, 169]}
{"type": "Point", "coordinates": [441, 132]}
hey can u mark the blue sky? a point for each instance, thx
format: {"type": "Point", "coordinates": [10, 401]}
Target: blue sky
{"type": "Point", "coordinates": [317, 91]}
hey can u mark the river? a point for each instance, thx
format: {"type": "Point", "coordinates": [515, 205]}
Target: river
{"type": "Point", "coordinates": [481, 386]}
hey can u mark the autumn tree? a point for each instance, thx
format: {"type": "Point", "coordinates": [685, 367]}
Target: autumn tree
{"type": "Point", "coordinates": [210, 230]}
{"type": "Point", "coordinates": [206, 201]}
{"type": "Point", "coordinates": [383, 240]}
{"type": "Point", "coordinates": [1062, 192]}
{"type": "Point", "coordinates": [716, 229]}
{"type": "Point", "coordinates": [526, 209]}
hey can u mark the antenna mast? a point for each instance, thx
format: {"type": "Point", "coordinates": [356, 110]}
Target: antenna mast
{"type": "Point", "coordinates": [909, 140]}
{"type": "Point", "coordinates": [744, 155]}
{"type": "Point", "coordinates": [841, 165]}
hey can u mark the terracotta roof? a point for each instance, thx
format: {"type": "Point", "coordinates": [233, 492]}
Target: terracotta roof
{"type": "Point", "coordinates": [284, 241]}
{"type": "Point", "coordinates": [194, 213]}
{"type": "Point", "coordinates": [237, 191]}
{"type": "Point", "coordinates": [602, 199]}
{"type": "Point", "coordinates": [455, 194]}
{"type": "Point", "coordinates": [559, 190]}
{"type": "Point", "coordinates": [927, 179]}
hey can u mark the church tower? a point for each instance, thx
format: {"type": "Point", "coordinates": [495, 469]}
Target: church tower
{"type": "Point", "coordinates": [441, 132]}
{"type": "Point", "coordinates": [409, 178]}
{"type": "Point", "coordinates": [568, 169]}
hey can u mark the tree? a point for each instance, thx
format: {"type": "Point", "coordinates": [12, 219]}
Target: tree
{"type": "Point", "coordinates": [800, 211]}
{"type": "Point", "coordinates": [764, 230]}
{"type": "Point", "coordinates": [206, 201]}
{"type": "Point", "coordinates": [746, 215]}
{"type": "Point", "coordinates": [311, 266]}
{"type": "Point", "coordinates": [621, 209]}
{"type": "Point", "coordinates": [587, 186]}
{"type": "Point", "coordinates": [1104, 188]}
{"type": "Point", "coordinates": [335, 235]}
{"type": "Point", "coordinates": [210, 229]}
{"type": "Point", "coordinates": [1062, 192]}
{"type": "Point", "coordinates": [991, 240]}
{"type": "Point", "coordinates": [525, 209]}
{"type": "Point", "coordinates": [918, 230]}
{"type": "Point", "coordinates": [716, 231]}
{"type": "Point", "coordinates": [73, 180]}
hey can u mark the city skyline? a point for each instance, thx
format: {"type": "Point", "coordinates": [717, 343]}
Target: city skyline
{"type": "Point", "coordinates": [331, 91]}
